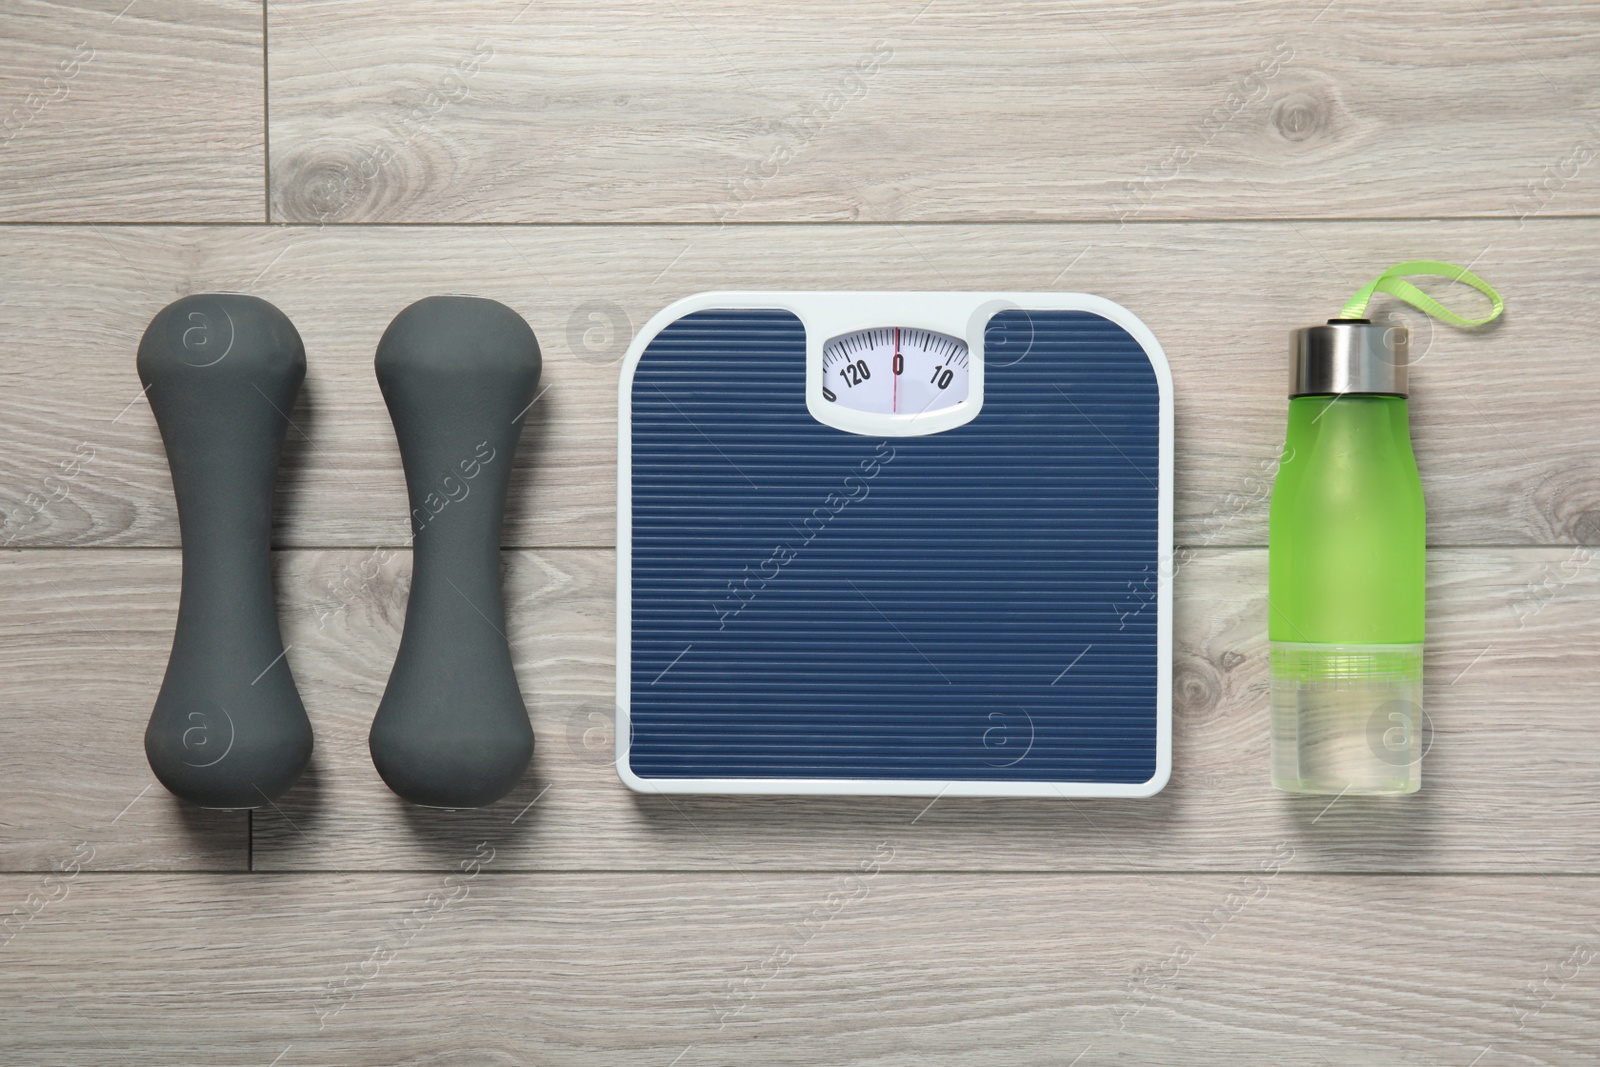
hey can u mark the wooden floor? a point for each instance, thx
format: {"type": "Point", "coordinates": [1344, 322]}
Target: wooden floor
{"type": "Point", "coordinates": [1227, 169]}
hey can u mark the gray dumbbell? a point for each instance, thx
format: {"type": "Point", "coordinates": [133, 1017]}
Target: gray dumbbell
{"type": "Point", "coordinates": [458, 374]}
{"type": "Point", "coordinates": [222, 372]}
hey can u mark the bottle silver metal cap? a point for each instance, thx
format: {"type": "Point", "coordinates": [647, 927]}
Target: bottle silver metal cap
{"type": "Point", "coordinates": [1348, 356]}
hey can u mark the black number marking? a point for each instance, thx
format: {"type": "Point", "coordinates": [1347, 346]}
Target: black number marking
{"type": "Point", "coordinates": [899, 363]}
{"type": "Point", "coordinates": [855, 373]}
{"type": "Point", "coordinates": [942, 377]}
{"type": "Point", "coordinates": [829, 394]}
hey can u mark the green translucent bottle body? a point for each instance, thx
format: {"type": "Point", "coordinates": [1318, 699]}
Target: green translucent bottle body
{"type": "Point", "coordinates": [1346, 595]}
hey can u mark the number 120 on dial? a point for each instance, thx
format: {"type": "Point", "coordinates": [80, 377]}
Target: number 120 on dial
{"type": "Point", "coordinates": [895, 371]}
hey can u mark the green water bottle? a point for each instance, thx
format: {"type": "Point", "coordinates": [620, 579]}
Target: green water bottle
{"type": "Point", "coordinates": [1347, 544]}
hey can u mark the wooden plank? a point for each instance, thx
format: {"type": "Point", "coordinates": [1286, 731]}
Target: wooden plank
{"type": "Point", "coordinates": [1511, 696]}
{"type": "Point", "coordinates": [83, 644]}
{"type": "Point", "coordinates": [874, 967]}
{"type": "Point", "coordinates": [1504, 433]}
{"type": "Point", "coordinates": [118, 111]}
{"type": "Point", "coordinates": [954, 110]}
{"type": "Point", "coordinates": [1510, 783]}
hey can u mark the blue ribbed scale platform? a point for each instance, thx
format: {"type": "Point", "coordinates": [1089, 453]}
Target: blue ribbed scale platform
{"type": "Point", "coordinates": [978, 610]}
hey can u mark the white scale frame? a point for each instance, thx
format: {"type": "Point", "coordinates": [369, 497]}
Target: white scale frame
{"type": "Point", "coordinates": [825, 316]}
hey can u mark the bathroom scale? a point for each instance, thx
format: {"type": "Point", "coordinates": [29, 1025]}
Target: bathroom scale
{"type": "Point", "coordinates": [909, 543]}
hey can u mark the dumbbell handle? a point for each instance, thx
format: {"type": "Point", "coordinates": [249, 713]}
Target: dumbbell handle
{"type": "Point", "coordinates": [222, 372]}
{"type": "Point", "coordinates": [458, 375]}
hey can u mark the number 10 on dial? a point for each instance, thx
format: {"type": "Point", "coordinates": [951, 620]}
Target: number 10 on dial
{"type": "Point", "coordinates": [893, 370]}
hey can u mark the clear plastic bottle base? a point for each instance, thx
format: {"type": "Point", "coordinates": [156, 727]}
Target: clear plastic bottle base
{"type": "Point", "coordinates": [1347, 718]}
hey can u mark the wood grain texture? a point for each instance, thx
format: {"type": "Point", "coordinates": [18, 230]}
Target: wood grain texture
{"type": "Point", "coordinates": [1510, 781]}
{"type": "Point", "coordinates": [1503, 424]}
{"type": "Point", "coordinates": [875, 968]}
{"type": "Point", "coordinates": [955, 110]}
{"type": "Point", "coordinates": [118, 111]}
{"type": "Point", "coordinates": [82, 649]}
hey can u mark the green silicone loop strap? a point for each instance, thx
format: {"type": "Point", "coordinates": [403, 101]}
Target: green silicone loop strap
{"type": "Point", "coordinates": [1391, 282]}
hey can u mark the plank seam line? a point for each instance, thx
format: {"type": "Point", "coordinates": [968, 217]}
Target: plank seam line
{"type": "Point", "coordinates": [711, 224]}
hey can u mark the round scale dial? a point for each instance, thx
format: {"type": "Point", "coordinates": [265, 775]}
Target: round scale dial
{"type": "Point", "coordinates": [893, 370]}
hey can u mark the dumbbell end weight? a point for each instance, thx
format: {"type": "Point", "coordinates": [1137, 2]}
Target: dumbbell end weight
{"type": "Point", "coordinates": [221, 372]}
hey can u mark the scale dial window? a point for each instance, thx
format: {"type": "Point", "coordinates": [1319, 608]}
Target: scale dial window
{"type": "Point", "coordinates": [893, 370]}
